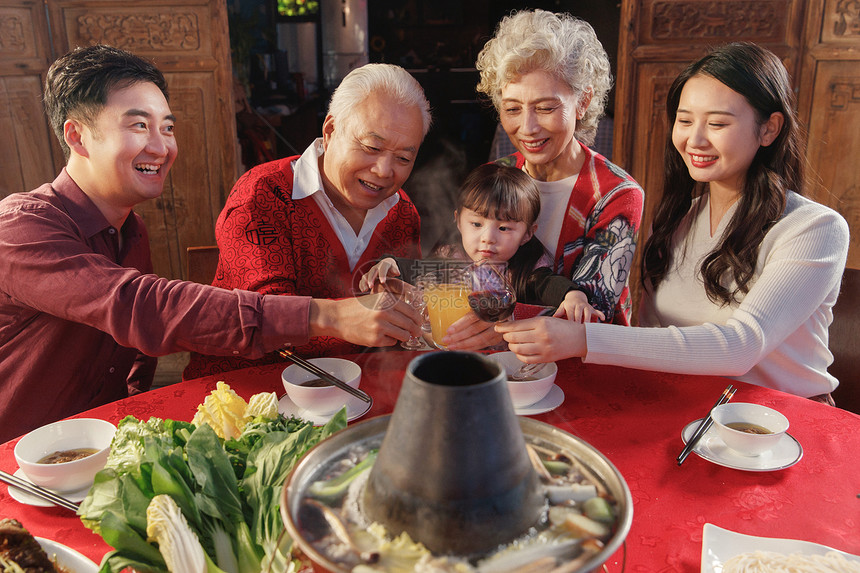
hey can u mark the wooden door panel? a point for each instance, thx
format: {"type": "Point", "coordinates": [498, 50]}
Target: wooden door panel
{"type": "Point", "coordinates": [189, 41]}
{"type": "Point", "coordinates": [650, 125]}
{"type": "Point", "coordinates": [29, 145]}
{"type": "Point", "coordinates": [650, 130]}
{"type": "Point", "coordinates": [829, 104]}
{"type": "Point", "coordinates": [29, 153]}
{"type": "Point", "coordinates": [24, 47]}
{"type": "Point", "coordinates": [834, 143]}
{"type": "Point", "coordinates": [676, 32]}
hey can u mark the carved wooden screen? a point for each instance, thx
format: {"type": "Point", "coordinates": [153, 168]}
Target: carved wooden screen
{"type": "Point", "coordinates": [29, 152]}
{"type": "Point", "coordinates": [829, 105]}
{"type": "Point", "coordinates": [189, 42]}
{"type": "Point", "coordinates": [819, 42]}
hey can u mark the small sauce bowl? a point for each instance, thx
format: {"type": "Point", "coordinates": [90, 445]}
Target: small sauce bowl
{"type": "Point", "coordinates": [65, 435]}
{"type": "Point", "coordinates": [749, 429]}
{"type": "Point", "coordinates": [309, 392]}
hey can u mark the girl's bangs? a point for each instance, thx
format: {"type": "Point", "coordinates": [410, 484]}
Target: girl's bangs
{"type": "Point", "coordinates": [498, 202]}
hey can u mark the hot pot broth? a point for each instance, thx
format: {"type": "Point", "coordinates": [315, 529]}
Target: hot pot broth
{"type": "Point", "coordinates": [579, 515]}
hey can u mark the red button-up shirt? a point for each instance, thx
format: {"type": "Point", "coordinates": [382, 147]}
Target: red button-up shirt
{"type": "Point", "coordinates": [76, 309]}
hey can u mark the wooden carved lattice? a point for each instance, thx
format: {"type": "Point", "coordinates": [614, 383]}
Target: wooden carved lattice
{"type": "Point", "coordinates": [12, 34]}
{"type": "Point", "coordinates": [141, 32]}
{"type": "Point", "coordinates": [747, 19]}
{"type": "Point", "coordinates": [843, 94]}
{"type": "Point", "coordinates": [847, 14]}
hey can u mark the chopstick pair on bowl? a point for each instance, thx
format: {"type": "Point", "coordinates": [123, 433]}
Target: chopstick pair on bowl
{"type": "Point", "coordinates": [705, 424]}
{"type": "Point", "coordinates": [37, 491]}
{"type": "Point", "coordinates": [314, 369]}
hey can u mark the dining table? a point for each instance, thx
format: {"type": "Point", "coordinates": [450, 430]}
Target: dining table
{"type": "Point", "coordinates": [635, 418]}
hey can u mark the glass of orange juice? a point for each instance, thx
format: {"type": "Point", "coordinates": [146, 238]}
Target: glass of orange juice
{"type": "Point", "coordinates": [447, 297]}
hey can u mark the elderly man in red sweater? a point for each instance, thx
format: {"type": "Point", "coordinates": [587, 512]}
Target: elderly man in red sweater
{"type": "Point", "coordinates": [312, 224]}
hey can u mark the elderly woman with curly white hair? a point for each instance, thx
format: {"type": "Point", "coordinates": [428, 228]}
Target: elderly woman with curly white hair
{"type": "Point", "coordinates": [548, 77]}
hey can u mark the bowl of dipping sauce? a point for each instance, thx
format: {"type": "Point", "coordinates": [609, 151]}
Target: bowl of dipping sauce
{"type": "Point", "coordinates": [749, 429]}
{"type": "Point", "coordinates": [310, 392]}
{"type": "Point", "coordinates": [531, 390]}
{"type": "Point", "coordinates": [65, 456]}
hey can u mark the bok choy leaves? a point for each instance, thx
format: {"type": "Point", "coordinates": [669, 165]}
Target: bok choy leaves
{"type": "Point", "coordinates": [226, 492]}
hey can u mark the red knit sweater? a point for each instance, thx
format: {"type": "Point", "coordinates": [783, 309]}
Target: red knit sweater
{"type": "Point", "coordinates": [273, 244]}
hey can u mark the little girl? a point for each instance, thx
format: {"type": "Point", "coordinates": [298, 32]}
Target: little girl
{"type": "Point", "coordinates": [497, 210]}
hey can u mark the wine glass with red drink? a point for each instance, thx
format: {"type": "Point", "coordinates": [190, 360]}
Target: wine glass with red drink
{"type": "Point", "coordinates": [492, 297]}
{"type": "Point", "coordinates": [493, 300]}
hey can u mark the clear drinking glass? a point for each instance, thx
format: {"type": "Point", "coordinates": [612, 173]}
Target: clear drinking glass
{"type": "Point", "coordinates": [446, 292]}
{"type": "Point", "coordinates": [414, 296]}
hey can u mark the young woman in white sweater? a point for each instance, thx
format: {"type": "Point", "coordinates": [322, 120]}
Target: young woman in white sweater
{"type": "Point", "coordinates": [741, 272]}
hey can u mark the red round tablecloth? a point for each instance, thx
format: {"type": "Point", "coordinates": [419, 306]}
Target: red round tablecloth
{"type": "Point", "coordinates": [635, 419]}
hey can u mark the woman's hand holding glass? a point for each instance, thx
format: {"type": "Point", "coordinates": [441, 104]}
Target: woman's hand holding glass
{"type": "Point", "coordinates": [544, 339]}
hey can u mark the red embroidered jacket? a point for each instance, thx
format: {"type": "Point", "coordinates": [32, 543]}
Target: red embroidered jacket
{"type": "Point", "coordinates": [272, 244]}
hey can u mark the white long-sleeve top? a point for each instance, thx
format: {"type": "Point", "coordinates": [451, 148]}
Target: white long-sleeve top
{"type": "Point", "coordinates": [776, 336]}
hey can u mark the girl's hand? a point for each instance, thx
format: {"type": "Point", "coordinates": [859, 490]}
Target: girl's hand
{"type": "Point", "coordinates": [544, 339]}
{"type": "Point", "coordinates": [380, 271]}
{"type": "Point", "coordinates": [575, 306]}
{"type": "Point", "coordinates": [471, 333]}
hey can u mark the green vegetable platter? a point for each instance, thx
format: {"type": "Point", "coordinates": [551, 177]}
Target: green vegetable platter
{"type": "Point", "coordinates": [201, 496]}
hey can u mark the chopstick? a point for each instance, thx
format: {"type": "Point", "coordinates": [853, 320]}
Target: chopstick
{"type": "Point", "coordinates": [705, 424]}
{"type": "Point", "coordinates": [314, 369]}
{"type": "Point", "coordinates": [37, 491]}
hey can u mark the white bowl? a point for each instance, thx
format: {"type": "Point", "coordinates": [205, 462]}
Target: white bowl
{"type": "Point", "coordinates": [320, 399]}
{"type": "Point", "coordinates": [745, 442]}
{"type": "Point", "coordinates": [61, 436]}
{"type": "Point", "coordinates": [526, 392]}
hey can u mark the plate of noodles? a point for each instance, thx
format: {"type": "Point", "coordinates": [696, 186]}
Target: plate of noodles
{"type": "Point", "coordinates": [724, 551]}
